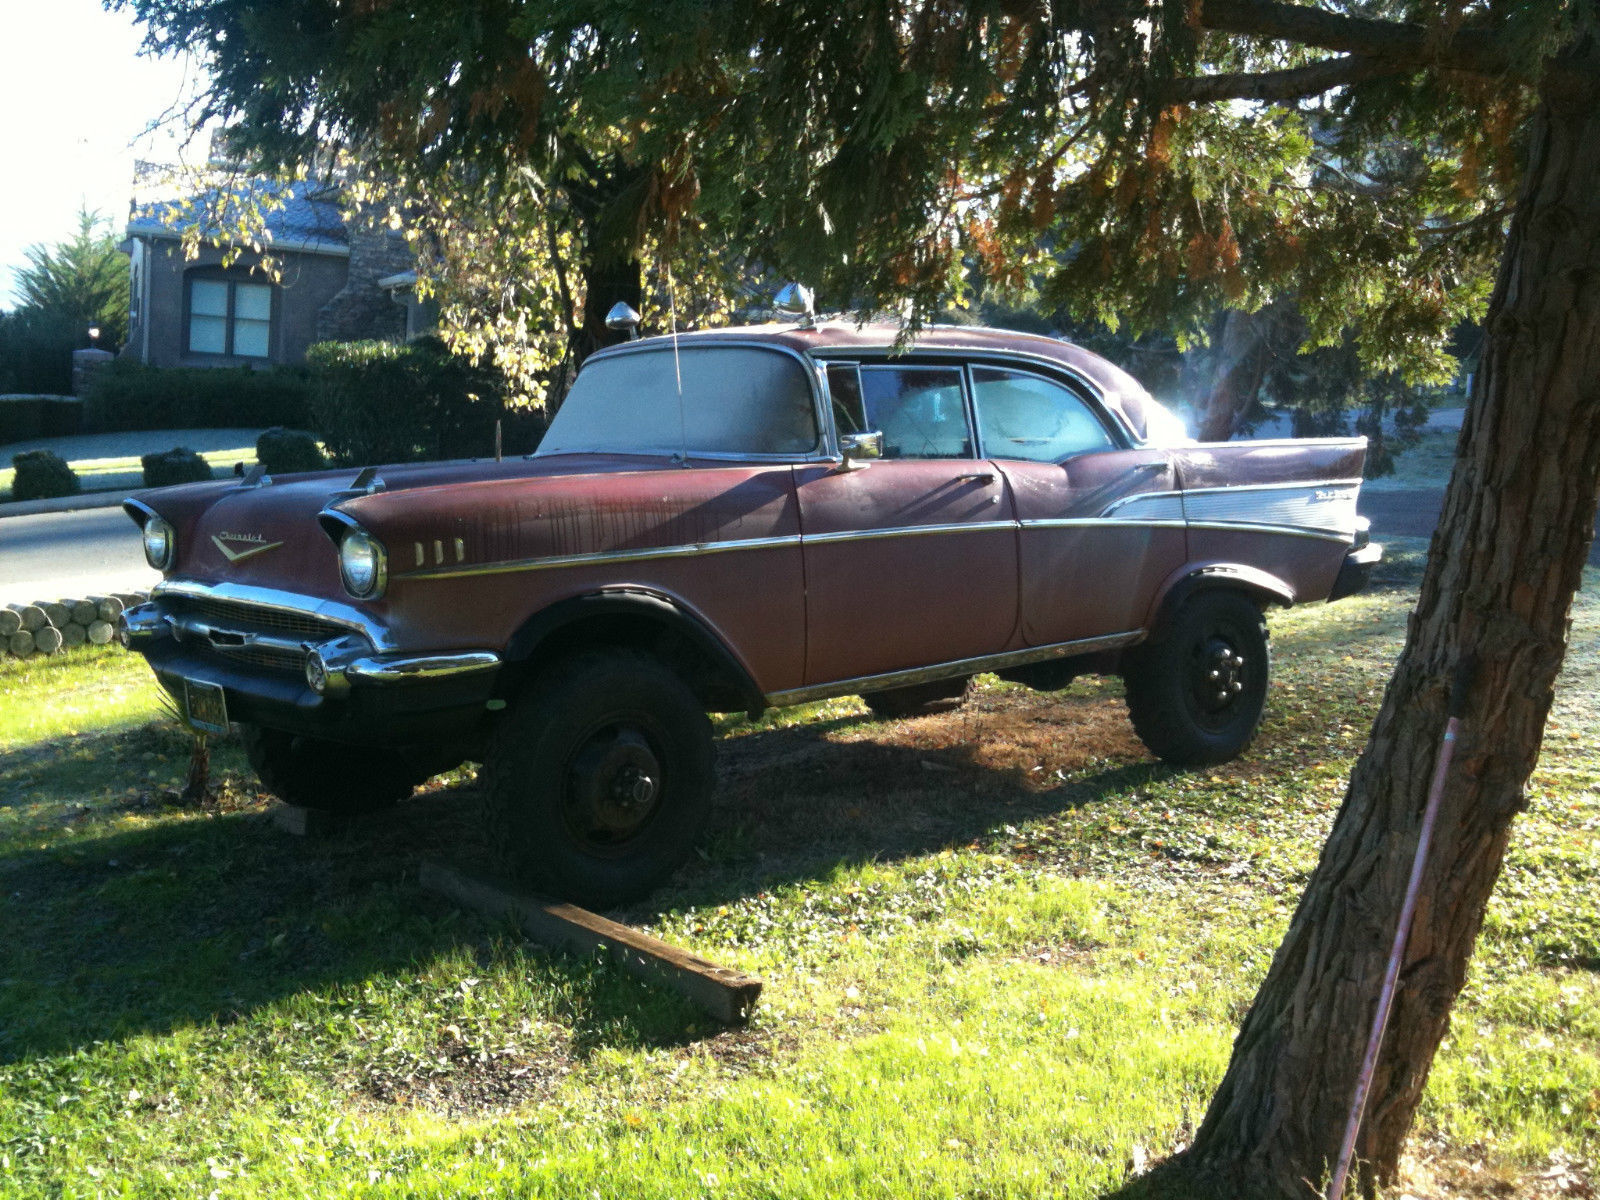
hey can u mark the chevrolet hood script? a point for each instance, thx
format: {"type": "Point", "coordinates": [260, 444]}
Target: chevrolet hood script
{"type": "Point", "coordinates": [245, 545]}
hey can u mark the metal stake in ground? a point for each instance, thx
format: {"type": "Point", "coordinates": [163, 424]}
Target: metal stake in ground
{"type": "Point", "coordinates": [1380, 1020]}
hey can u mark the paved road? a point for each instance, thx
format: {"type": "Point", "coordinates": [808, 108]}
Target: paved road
{"type": "Point", "coordinates": [50, 555]}
{"type": "Point", "coordinates": [1414, 512]}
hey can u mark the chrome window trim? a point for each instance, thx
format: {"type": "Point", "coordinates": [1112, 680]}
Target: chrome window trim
{"type": "Point", "coordinates": [1101, 414]}
{"type": "Point", "coordinates": [814, 373]}
{"type": "Point", "coordinates": [963, 382]}
{"type": "Point", "coordinates": [977, 357]}
{"type": "Point", "coordinates": [964, 666]}
{"type": "Point", "coordinates": [277, 600]}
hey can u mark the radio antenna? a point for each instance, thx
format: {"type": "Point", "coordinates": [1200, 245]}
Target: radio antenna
{"type": "Point", "coordinates": [677, 367]}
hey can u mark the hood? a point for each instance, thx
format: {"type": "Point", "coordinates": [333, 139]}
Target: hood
{"type": "Point", "coordinates": [268, 535]}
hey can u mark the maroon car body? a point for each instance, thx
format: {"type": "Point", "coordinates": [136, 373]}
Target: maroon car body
{"type": "Point", "coordinates": [711, 506]}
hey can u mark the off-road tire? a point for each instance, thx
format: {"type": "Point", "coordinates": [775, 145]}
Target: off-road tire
{"type": "Point", "coordinates": [916, 700]}
{"type": "Point", "coordinates": [599, 779]}
{"type": "Point", "coordinates": [1177, 704]}
{"type": "Point", "coordinates": [330, 776]}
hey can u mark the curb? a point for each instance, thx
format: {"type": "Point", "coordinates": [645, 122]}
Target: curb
{"type": "Point", "coordinates": [61, 504]}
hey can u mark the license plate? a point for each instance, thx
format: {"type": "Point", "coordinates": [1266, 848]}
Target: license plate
{"type": "Point", "coordinates": [205, 706]}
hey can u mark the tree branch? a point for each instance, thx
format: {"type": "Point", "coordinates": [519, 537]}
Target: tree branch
{"type": "Point", "coordinates": [1403, 43]}
{"type": "Point", "coordinates": [1293, 84]}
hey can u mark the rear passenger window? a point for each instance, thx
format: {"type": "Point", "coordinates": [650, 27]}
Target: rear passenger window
{"type": "Point", "coordinates": [920, 411]}
{"type": "Point", "coordinates": [1023, 416]}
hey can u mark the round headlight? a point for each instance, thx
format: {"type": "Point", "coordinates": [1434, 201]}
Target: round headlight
{"type": "Point", "coordinates": [159, 543]}
{"type": "Point", "coordinates": [361, 562]}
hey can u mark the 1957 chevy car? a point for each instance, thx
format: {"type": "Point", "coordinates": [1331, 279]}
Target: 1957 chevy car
{"type": "Point", "coordinates": [727, 521]}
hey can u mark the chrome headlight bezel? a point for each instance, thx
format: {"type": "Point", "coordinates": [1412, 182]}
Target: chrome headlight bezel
{"type": "Point", "coordinates": [160, 542]}
{"type": "Point", "coordinates": [363, 564]}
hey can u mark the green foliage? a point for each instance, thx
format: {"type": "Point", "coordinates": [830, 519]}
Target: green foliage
{"type": "Point", "coordinates": [36, 352]}
{"type": "Point", "coordinates": [23, 418]}
{"type": "Point", "coordinates": [284, 451]}
{"type": "Point", "coordinates": [378, 402]}
{"type": "Point", "coordinates": [82, 281]}
{"type": "Point", "coordinates": [41, 475]}
{"type": "Point", "coordinates": [131, 396]}
{"type": "Point", "coordinates": [178, 465]}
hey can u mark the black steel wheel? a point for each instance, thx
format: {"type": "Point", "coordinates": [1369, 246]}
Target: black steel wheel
{"type": "Point", "coordinates": [599, 780]}
{"type": "Point", "coordinates": [330, 776]}
{"type": "Point", "coordinates": [1196, 688]}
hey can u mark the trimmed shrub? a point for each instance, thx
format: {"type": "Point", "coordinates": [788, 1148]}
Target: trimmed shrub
{"type": "Point", "coordinates": [42, 474]}
{"type": "Point", "coordinates": [25, 417]}
{"type": "Point", "coordinates": [378, 402]}
{"type": "Point", "coordinates": [178, 465]}
{"type": "Point", "coordinates": [284, 451]}
{"type": "Point", "coordinates": [131, 396]}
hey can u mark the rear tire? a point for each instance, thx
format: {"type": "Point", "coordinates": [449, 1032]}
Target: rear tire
{"type": "Point", "coordinates": [329, 776]}
{"type": "Point", "coordinates": [916, 700]}
{"type": "Point", "coordinates": [599, 779]}
{"type": "Point", "coordinates": [1196, 689]}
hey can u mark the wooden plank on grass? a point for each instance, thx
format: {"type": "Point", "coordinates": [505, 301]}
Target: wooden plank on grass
{"type": "Point", "coordinates": [728, 995]}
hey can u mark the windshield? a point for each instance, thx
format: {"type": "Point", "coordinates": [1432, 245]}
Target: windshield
{"type": "Point", "coordinates": [733, 400]}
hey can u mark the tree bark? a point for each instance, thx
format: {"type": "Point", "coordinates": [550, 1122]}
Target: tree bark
{"type": "Point", "coordinates": [604, 283]}
{"type": "Point", "coordinates": [1504, 564]}
{"type": "Point", "coordinates": [1238, 366]}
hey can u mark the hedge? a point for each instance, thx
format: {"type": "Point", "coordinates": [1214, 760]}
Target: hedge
{"type": "Point", "coordinates": [23, 418]}
{"type": "Point", "coordinates": [178, 465]}
{"type": "Point", "coordinates": [378, 402]}
{"type": "Point", "coordinates": [130, 396]}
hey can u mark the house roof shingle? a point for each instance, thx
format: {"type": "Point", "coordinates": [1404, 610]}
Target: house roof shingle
{"type": "Point", "coordinates": [308, 219]}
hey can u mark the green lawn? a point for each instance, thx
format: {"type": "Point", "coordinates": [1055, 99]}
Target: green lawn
{"type": "Point", "coordinates": [1005, 953]}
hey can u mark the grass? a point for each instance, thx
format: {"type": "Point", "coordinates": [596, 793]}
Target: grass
{"type": "Point", "coordinates": [1005, 954]}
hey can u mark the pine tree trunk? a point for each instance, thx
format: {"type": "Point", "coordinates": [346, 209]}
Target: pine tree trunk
{"type": "Point", "coordinates": [1238, 365]}
{"type": "Point", "coordinates": [1506, 559]}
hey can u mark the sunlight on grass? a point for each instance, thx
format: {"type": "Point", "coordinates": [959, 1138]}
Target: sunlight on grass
{"type": "Point", "coordinates": [1005, 955]}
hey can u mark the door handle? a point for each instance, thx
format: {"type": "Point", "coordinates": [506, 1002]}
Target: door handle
{"type": "Point", "coordinates": [984, 477]}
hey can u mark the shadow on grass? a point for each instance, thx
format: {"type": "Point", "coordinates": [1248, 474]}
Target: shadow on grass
{"type": "Point", "coordinates": [194, 918]}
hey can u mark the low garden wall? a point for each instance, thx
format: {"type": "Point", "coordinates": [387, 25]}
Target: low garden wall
{"type": "Point", "coordinates": [51, 626]}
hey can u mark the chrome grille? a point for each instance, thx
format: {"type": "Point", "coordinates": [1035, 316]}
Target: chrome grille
{"type": "Point", "coordinates": [232, 614]}
{"type": "Point", "coordinates": [265, 656]}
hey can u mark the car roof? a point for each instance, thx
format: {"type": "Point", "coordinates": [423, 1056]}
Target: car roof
{"type": "Point", "coordinates": [1118, 390]}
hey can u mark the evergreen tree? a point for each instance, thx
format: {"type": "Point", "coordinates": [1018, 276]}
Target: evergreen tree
{"type": "Point", "coordinates": [1190, 155]}
{"type": "Point", "coordinates": [79, 283]}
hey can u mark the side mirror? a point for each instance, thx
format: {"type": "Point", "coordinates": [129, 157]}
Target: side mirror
{"type": "Point", "coordinates": [623, 317]}
{"type": "Point", "coordinates": [859, 449]}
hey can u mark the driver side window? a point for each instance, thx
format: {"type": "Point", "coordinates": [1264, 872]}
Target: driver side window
{"type": "Point", "coordinates": [1023, 416]}
{"type": "Point", "coordinates": [920, 411]}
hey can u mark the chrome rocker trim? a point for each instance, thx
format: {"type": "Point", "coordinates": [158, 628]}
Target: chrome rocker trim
{"type": "Point", "coordinates": [947, 670]}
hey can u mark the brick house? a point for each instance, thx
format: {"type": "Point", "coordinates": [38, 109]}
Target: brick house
{"type": "Point", "coordinates": [338, 280]}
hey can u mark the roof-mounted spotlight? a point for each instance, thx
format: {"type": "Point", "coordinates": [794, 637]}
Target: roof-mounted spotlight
{"type": "Point", "coordinates": [798, 299]}
{"type": "Point", "coordinates": [623, 316]}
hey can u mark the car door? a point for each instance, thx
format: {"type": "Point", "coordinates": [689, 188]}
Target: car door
{"type": "Point", "coordinates": [1091, 560]}
{"type": "Point", "coordinates": [910, 560]}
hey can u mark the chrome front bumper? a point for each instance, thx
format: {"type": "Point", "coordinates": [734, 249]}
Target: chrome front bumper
{"type": "Point", "coordinates": [330, 665]}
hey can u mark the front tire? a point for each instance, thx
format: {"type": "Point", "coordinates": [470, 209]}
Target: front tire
{"type": "Point", "coordinates": [328, 776]}
{"type": "Point", "coordinates": [1196, 689]}
{"type": "Point", "coordinates": [599, 780]}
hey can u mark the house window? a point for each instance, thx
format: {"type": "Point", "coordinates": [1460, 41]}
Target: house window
{"type": "Point", "coordinates": [230, 317]}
